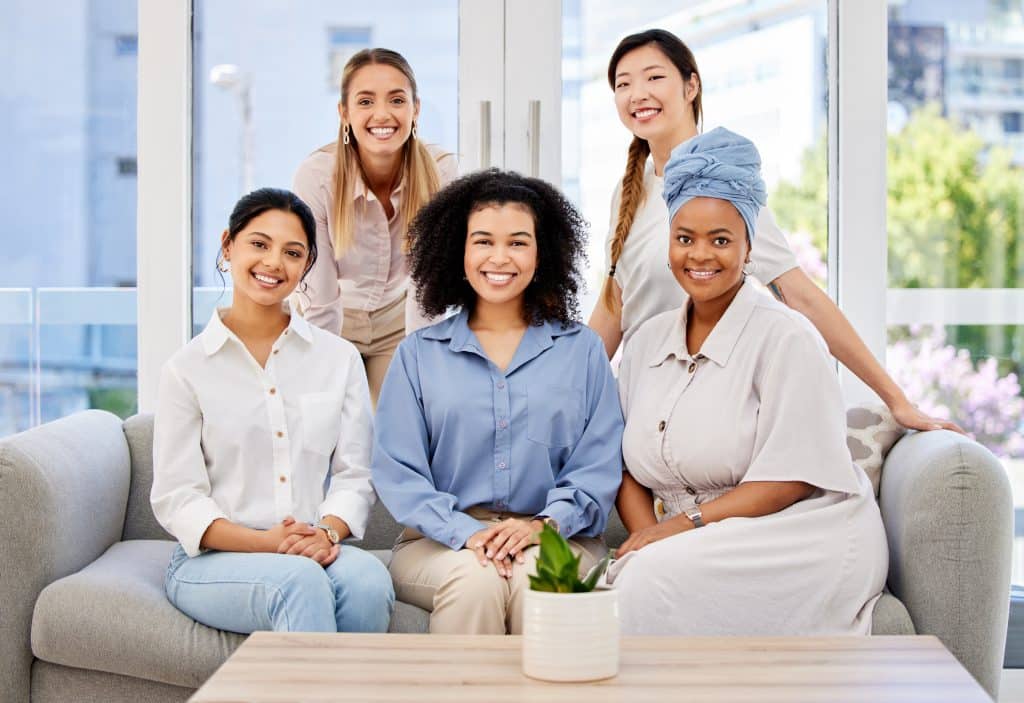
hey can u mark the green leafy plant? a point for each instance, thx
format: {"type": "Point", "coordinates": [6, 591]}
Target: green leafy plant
{"type": "Point", "coordinates": [558, 569]}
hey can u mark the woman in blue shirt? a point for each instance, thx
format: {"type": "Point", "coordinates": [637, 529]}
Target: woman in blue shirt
{"type": "Point", "coordinates": [500, 418]}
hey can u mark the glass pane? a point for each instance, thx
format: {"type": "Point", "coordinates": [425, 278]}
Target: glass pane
{"type": "Point", "coordinates": [779, 101]}
{"type": "Point", "coordinates": [266, 87]}
{"type": "Point", "coordinates": [69, 199]}
{"type": "Point", "coordinates": [956, 210]}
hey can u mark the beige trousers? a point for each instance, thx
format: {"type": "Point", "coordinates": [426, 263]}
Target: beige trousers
{"type": "Point", "coordinates": [462, 596]}
{"type": "Point", "coordinates": [376, 335]}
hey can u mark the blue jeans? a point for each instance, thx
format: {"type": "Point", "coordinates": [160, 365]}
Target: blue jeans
{"type": "Point", "coordinates": [242, 592]}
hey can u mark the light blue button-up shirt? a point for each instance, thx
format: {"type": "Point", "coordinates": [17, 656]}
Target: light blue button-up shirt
{"type": "Point", "coordinates": [453, 431]}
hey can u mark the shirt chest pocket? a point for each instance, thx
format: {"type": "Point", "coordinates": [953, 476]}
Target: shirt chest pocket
{"type": "Point", "coordinates": [554, 416]}
{"type": "Point", "coordinates": [321, 419]}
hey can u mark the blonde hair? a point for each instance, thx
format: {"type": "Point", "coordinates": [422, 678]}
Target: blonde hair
{"type": "Point", "coordinates": [633, 193]}
{"type": "Point", "coordinates": [420, 177]}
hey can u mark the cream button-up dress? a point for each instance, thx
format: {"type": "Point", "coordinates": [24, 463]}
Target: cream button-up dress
{"type": "Point", "coordinates": [759, 402]}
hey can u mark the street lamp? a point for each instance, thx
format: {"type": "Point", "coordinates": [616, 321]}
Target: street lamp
{"type": "Point", "coordinates": [230, 77]}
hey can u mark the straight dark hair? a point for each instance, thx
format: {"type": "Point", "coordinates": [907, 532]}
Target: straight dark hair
{"type": "Point", "coordinates": [263, 200]}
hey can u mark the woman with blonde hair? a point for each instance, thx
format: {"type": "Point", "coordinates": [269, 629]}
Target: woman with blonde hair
{"type": "Point", "coordinates": [364, 190]}
{"type": "Point", "coordinates": [658, 98]}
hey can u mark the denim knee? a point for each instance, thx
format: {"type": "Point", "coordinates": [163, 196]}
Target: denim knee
{"type": "Point", "coordinates": [364, 593]}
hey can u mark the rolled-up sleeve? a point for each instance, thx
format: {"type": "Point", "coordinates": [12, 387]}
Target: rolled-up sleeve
{"type": "Point", "coordinates": [401, 462]}
{"type": "Point", "coordinates": [180, 495]}
{"type": "Point", "coordinates": [586, 485]}
{"type": "Point", "coordinates": [322, 292]}
{"type": "Point", "coordinates": [350, 494]}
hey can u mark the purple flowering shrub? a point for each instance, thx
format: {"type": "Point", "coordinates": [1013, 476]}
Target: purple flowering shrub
{"type": "Point", "coordinates": [945, 383]}
{"type": "Point", "coordinates": [810, 259]}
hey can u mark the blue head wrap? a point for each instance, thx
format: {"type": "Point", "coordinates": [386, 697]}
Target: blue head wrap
{"type": "Point", "coordinates": [716, 164]}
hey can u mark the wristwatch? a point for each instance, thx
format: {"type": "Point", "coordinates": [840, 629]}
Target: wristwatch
{"type": "Point", "coordinates": [332, 534]}
{"type": "Point", "coordinates": [696, 517]}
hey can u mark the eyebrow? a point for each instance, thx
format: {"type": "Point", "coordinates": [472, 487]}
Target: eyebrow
{"type": "Point", "coordinates": [402, 91]}
{"type": "Point", "coordinates": [484, 233]}
{"type": "Point", "coordinates": [716, 230]}
{"type": "Point", "coordinates": [268, 237]}
{"type": "Point", "coordinates": [648, 68]}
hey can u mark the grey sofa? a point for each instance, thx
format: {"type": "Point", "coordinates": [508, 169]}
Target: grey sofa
{"type": "Point", "coordinates": [82, 562]}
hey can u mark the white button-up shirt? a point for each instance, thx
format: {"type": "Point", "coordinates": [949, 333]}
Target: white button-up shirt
{"type": "Point", "coordinates": [253, 445]}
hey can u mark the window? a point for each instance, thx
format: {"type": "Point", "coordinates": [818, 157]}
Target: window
{"type": "Point", "coordinates": [342, 42]}
{"type": "Point", "coordinates": [955, 229]}
{"type": "Point", "coordinates": [67, 311]}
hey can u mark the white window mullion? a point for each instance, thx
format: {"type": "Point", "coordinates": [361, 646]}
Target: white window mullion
{"type": "Point", "coordinates": [164, 187]}
{"type": "Point", "coordinates": [858, 174]}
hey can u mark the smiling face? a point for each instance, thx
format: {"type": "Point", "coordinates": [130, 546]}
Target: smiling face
{"type": "Point", "coordinates": [380, 109]}
{"type": "Point", "coordinates": [501, 253]}
{"type": "Point", "coordinates": [708, 248]}
{"type": "Point", "coordinates": [652, 99]}
{"type": "Point", "coordinates": [268, 257]}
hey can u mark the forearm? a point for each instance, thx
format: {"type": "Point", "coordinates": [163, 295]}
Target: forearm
{"type": "Point", "coordinates": [797, 291]}
{"type": "Point", "coordinates": [635, 504]}
{"type": "Point", "coordinates": [226, 536]}
{"type": "Point", "coordinates": [754, 499]}
{"type": "Point", "coordinates": [606, 323]}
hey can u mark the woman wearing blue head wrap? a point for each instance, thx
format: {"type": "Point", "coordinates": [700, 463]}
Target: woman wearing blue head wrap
{"type": "Point", "coordinates": [736, 434]}
{"type": "Point", "coordinates": [658, 97]}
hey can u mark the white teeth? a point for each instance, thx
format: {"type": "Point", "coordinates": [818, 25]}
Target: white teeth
{"type": "Point", "coordinates": [265, 279]}
{"type": "Point", "coordinates": [701, 274]}
{"type": "Point", "coordinates": [645, 113]}
{"type": "Point", "coordinates": [382, 131]}
{"type": "Point", "coordinates": [498, 277]}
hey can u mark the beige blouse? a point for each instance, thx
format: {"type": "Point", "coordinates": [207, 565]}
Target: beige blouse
{"type": "Point", "coordinates": [373, 273]}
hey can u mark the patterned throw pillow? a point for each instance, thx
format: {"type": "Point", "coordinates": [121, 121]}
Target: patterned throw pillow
{"type": "Point", "coordinates": [871, 431]}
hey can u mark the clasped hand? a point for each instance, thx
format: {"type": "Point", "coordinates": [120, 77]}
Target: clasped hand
{"type": "Point", "coordinates": [502, 542]}
{"type": "Point", "coordinates": [292, 537]}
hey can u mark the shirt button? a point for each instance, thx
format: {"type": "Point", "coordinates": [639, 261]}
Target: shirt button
{"type": "Point", "coordinates": [280, 434]}
{"type": "Point", "coordinates": [689, 489]}
{"type": "Point", "coordinates": [282, 479]}
{"type": "Point", "coordinates": [502, 424]}
{"type": "Point", "coordinates": [661, 426]}
{"type": "Point", "coordinates": [501, 384]}
{"type": "Point", "coordinates": [693, 366]}
{"type": "Point", "coordinates": [501, 504]}
{"type": "Point", "coordinates": [276, 350]}
{"type": "Point", "coordinates": [501, 465]}
{"type": "Point", "coordinates": [272, 391]}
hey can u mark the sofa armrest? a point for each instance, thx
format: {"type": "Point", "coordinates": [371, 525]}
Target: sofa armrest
{"type": "Point", "coordinates": [948, 515]}
{"type": "Point", "coordinates": [63, 490]}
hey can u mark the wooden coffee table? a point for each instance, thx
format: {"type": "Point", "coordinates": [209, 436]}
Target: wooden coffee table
{"type": "Point", "coordinates": [349, 667]}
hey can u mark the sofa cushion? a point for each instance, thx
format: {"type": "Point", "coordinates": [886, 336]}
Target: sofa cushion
{"type": "Point", "coordinates": [139, 521]}
{"type": "Point", "coordinates": [891, 617]}
{"type": "Point", "coordinates": [114, 616]}
{"type": "Point", "coordinates": [871, 431]}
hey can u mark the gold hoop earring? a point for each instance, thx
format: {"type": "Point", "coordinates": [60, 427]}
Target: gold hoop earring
{"type": "Point", "coordinates": [345, 134]}
{"type": "Point", "coordinates": [224, 266]}
{"type": "Point", "coordinates": [414, 130]}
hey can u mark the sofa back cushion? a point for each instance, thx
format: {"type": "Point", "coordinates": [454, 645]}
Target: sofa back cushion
{"type": "Point", "coordinates": [139, 521]}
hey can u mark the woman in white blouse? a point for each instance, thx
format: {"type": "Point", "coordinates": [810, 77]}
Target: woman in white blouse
{"type": "Point", "coordinates": [261, 449]}
{"type": "Point", "coordinates": [658, 98]}
{"type": "Point", "coordinates": [736, 435]}
{"type": "Point", "coordinates": [364, 189]}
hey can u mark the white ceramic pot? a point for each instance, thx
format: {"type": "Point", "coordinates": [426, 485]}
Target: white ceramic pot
{"type": "Point", "coordinates": [571, 636]}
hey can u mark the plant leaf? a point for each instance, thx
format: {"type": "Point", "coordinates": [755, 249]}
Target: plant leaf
{"type": "Point", "coordinates": [595, 574]}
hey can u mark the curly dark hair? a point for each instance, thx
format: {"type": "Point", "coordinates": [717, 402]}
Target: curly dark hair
{"type": "Point", "coordinates": [438, 236]}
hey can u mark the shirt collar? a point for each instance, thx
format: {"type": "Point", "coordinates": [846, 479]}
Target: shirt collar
{"type": "Point", "coordinates": [359, 190]}
{"type": "Point", "coordinates": [216, 332]}
{"type": "Point", "coordinates": [537, 338]}
{"type": "Point", "coordinates": [720, 343]}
